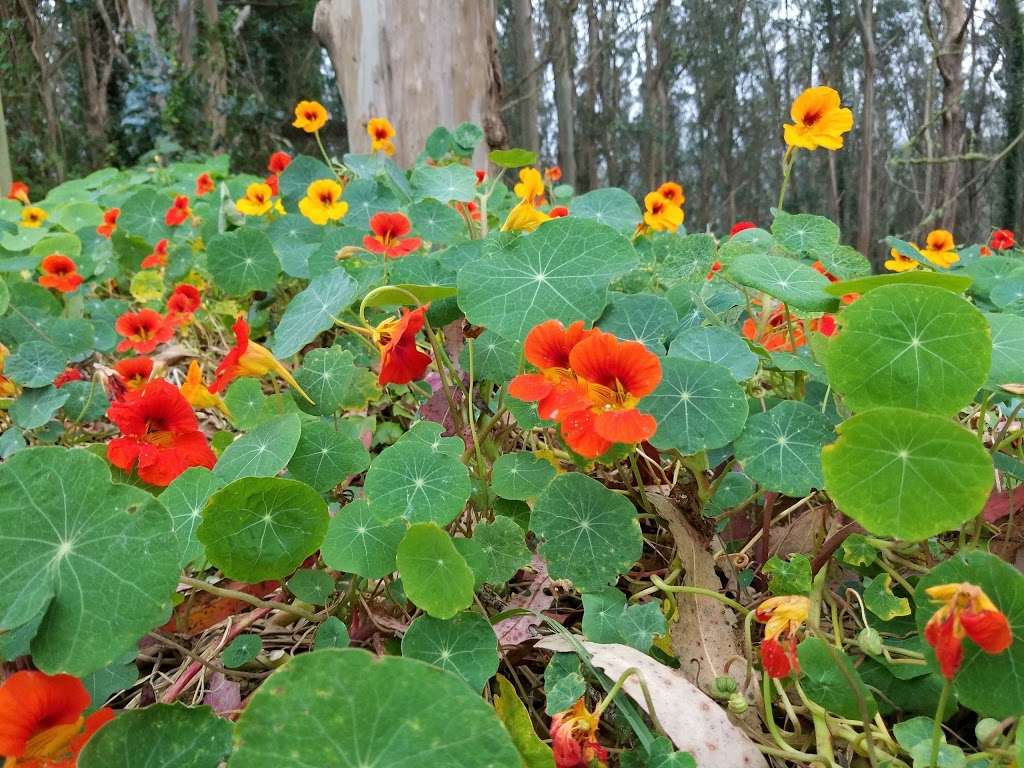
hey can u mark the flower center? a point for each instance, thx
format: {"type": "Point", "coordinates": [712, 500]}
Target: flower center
{"type": "Point", "coordinates": [812, 116]}
{"type": "Point", "coordinates": [326, 198]}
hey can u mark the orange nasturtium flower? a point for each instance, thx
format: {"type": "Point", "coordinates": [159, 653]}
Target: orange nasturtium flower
{"type": "Point", "coordinates": [33, 216]}
{"type": "Point", "coordinates": [782, 617]}
{"type": "Point", "coordinates": [818, 120]}
{"type": "Point", "coordinates": [19, 192]}
{"type": "Point", "coordinates": [389, 236]}
{"type": "Point", "coordinates": [42, 722]}
{"type": "Point", "coordinates": [381, 131]}
{"type": "Point", "coordinates": [553, 174]}
{"type": "Point", "coordinates": [672, 192]}
{"type": "Point", "coordinates": [110, 217]}
{"type": "Point", "coordinates": [158, 257]}
{"type": "Point", "coordinates": [964, 611]}
{"type": "Point", "coordinates": [198, 394]}
{"type": "Point", "coordinates": [160, 435]}
{"type": "Point", "coordinates": [7, 387]}
{"type": "Point", "coordinates": [940, 249]}
{"type": "Point", "coordinates": [547, 348]}
{"type": "Point", "coordinates": [897, 262]}
{"type": "Point", "coordinates": [204, 184]}
{"type": "Point", "coordinates": [257, 200]}
{"type": "Point", "coordinates": [574, 738]}
{"type": "Point", "coordinates": [134, 372]}
{"type": "Point", "coordinates": [661, 214]}
{"type": "Point", "coordinates": [178, 212]}
{"type": "Point", "coordinates": [530, 187]}
{"type": "Point", "coordinates": [310, 116]}
{"type": "Point", "coordinates": [323, 202]}
{"type": "Point", "coordinates": [401, 361]}
{"type": "Point", "coordinates": [1002, 239]}
{"type": "Point", "coordinates": [60, 272]}
{"type": "Point", "coordinates": [279, 161]}
{"type": "Point", "coordinates": [249, 359]}
{"type": "Point", "coordinates": [143, 331]}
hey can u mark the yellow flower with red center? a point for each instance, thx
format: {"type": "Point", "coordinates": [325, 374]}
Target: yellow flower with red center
{"type": "Point", "coordinates": [818, 120]}
{"type": "Point", "coordinates": [782, 617]}
{"type": "Point", "coordinates": [524, 218]}
{"type": "Point", "coordinates": [323, 202]}
{"type": "Point", "coordinates": [249, 359]}
{"type": "Point", "coordinates": [33, 216]}
{"type": "Point", "coordinates": [530, 187]}
{"type": "Point", "coordinates": [661, 214]}
{"type": "Point", "coordinates": [898, 262]}
{"type": "Point", "coordinates": [964, 611]}
{"type": "Point", "coordinates": [310, 116]}
{"type": "Point", "coordinates": [257, 200]}
{"type": "Point", "coordinates": [574, 738]}
{"type": "Point", "coordinates": [940, 249]}
{"type": "Point", "coordinates": [198, 394]}
{"type": "Point", "coordinates": [381, 131]}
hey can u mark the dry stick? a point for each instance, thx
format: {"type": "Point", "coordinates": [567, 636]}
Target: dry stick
{"type": "Point", "coordinates": [766, 523]}
{"type": "Point", "coordinates": [832, 544]}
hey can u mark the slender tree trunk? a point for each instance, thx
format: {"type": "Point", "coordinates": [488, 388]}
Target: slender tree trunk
{"type": "Point", "coordinates": [560, 14]}
{"type": "Point", "coordinates": [41, 51]}
{"type": "Point", "coordinates": [214, 70]}
{"type": "Point", "coordinates": [527, 92]}
{"type": "Point", "coordinates": [6, 174]}
{"type": "Point", "coordinates": [420, 63]}
{"type": "Point", "coordinates": [142, 19]}
{"type": "Point", "coordinates": [866, 19]}
{"type": "Point", "coordinates": [1011, 31]}
{"type": "Point", "coordinates": [587, 148]}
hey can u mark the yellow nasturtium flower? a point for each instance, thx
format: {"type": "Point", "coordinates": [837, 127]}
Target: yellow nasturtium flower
{"type": "Point", "coordinates": [818, 120]}
{"type": "Point", "coordinates": [524, 218]}
{"type": "Point", "coordinates": [196, 392]}
{"type": "Point", "coordinates": [257, 200]}
{"type": "Point", "coordinates": [899, 263]}
{"type": "Point", "coordinates": [323, 202]}
{"type": "Point", "coordinates": [661, 214]}
{"type": "Point", "coordinates": [310, 116]}
{"type": "Point", "coordinates": [381, 132]}
{"type": "Point", "coordinates": [530, 187]}
{"type": "Point", "coordinates": [33, 216]}
{"type": "Point", "coordinates": [940, 249]}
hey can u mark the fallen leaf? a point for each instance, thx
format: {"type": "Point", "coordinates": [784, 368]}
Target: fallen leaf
{"type": "Point", "coordinates": [512, 713]}
{"type": "Point", "coordinates": [203, 610]}
{"type": "Point", "coordinates": [518, 629]}
{"type": "Point", "coordinates": [223, 695]}
{"type": "Point", "coordinates": [692, 720]}
{"type": "Point", "coordinates": [1002, 503]}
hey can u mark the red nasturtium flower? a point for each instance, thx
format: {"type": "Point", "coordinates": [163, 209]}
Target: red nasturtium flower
{"type": "Point", "coordinates": [59, 273]}
{"type": "Point", "coordinates": [178, 212]}
{"type": "Point", "coordinates": [42, 723]}
{"type": "Point", "coordinates": [554, 386]}
{"type": "Point", "coordinates": [389, 236]}
{"type": "Point", "coordinates": [249, 359]}
{"type": "Point", "coordinates": [274, 183]}
{"type": "Point", "coordinates": [158, 258]}
{"type": "Point", "coordinates": [19, 192]}
{"type": "Point", "coordinates": [481, 176]}
{"type": "Point", "coordinates": [716, 267]}
{"type": "Point", "coordinates": [739, 226]}
{"type": "Point", "coordinates": [782, 617]}
{"type": "Point", "coordinates": [204, 184]}
{"type": "Point", "coordinates": [68, 374]}
{"type": "Point", "coordinates": [553, 174]}
{"type": "Point", "coordinates": [110, 217]}
{"type": "Point", "coordinates": [161, 435]}
{"type": "Point", "coordinates": [469, 210]}
{"type": "Point", "coordinates": [964, 611]}
{"type": "Point", "coordinates": [574, 738]}
{"type": "Point", "coordinates": [1002, 239]}
{"type": "Point", "coordinates": [279, 161]}
{"type": "Point", "coordinates": [143, 331]}
{"type": "Point", "coordinates": [558, 212]}
{"type": "Point", "coordinates": [401, 361]}
{"type": "Point", "coordinates": [134, 372]}
{"type": "Point", "coordinates": [183, 302]}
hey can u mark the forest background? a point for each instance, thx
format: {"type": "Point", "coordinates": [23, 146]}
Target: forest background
{"type": "Point", "coordinates": [622, 93]}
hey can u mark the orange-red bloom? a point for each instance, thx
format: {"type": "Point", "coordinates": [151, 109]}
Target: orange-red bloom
{"type": "Point", "coordinates": [782, 617]}
{"type": "Point", "coordinates": [776, 334]}
{"type": "Point", "coordinates": [552, 174]}
{"type": "Point", "coordinates": [558, 212]}
{"type": "Point", "coordinates": [60, 273]}
{"type": "Point", "coordinates": [161, 435]}
{"type": "Point", "coordinates": [574, 738]}
{"type": "Point", "coordinates": [278, 162]}
{"type": "Point", "coordinates": [183, 302]}
{"type": "Point", "coordinates": [143, 331]}
{"type": "Point", "coordinates": [481, 176]}
{"type": "Point", "coordinates": [178, 212]}
{"type": "Point", "coordinates": [1002, 239]}
{"type": "Point", "coordinates": [158, 258]}
{"type": "Point", "coordinates": [964, 611]}
{"type": "Point", "coordinates": [204, 184]}
{"type": "Point", "coordinates": [274, 183]}
{"type": "Point", "coordinates": [249, 359]}
{"type": "Point", "coordinates": [135, 372]}
{"type": "Point", "coordinates": [401, 361]}
{"type": "Point", "coordinates": [19, 192]}
{"type": "Point", "coordinates": [106, 229]}
{"type": "Point", "coordinates": [739, 226]}
{"type": "Point", "coordinates": [554, 386]}
{"type": "Point", "coordinates": [716, 267]}
{"type": "Point", "coordinates": [672, 192]}
{"type": "Point", "coordinates": [68, 374]}
{"type": "Point", "coordinates": [389, 231]}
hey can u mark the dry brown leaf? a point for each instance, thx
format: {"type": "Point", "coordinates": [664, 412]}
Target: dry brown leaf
{"type": "Point", "coordinates": [518, 629]}
{"type": "Point", "coordinates": [691, 719]}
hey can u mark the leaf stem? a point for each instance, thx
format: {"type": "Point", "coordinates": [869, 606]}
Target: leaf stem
{"type": "Point", "coordinates": [245, 597]}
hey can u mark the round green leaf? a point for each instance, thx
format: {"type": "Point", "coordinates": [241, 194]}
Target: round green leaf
{"type": "Point", "coordinates": [261, 528]}
{"type": "Point", "coordinates": [845, 263]}
{"type": "Point", "coordinates": [72, 542]}
{"type": "Point", "coordinates": [312, 586]}
{"type": "Point", "coordinates": [913, 346]}
{"type": "Point", "coordinates": [612, 206]}
{"type": "Point", "coordinates": [640, 317]}
{"type": "Point", "coordinates": [34, 364]}
{"type": "Point", "coordinates": [1007, 292]}
{"type": "Point", "coordinates": [502, 548]}
{"type": "Point", "coordinates": [242, 261]}
{"type": "Point", "coordinates": [494, 358]}
{"type": "Point", "coordinates": [698, 406]}
{"type": "Point", "coordinates": [160, 736]}
{"type": "Point", "coordinates": [989, 272]}
{"type": "Point", "coordinates": [35, 407]}
{"type": "Point", "coordinates": [359, 542]}
{"type": "Point", "coordinates": [787, 280]}
{"type": "Point", "coordinates": [428, 433]}
{"type": "Point", "coordinates": [261, 453]}
{"type": "Point", "coordinates": [716, 345]}
{"type": "Point", "coordinates": [804, 233]}
{"type": "Point", "coordinates": [346, 708]}
{"type": "Point", "coordinates": [520, 475]}
{"type": "Point", "coordinates": [988, 684]}
{"type": "Point", "coordinates": [862, 285]}
{"type": "Point", "coordinates": [464, 645]}
{"type": "Point", "coordinates": [906, 474]}
{"type": "Point", "coordinates": [590, 534]}
{"type": "Point", "coordinates": [561, 271]}
{"type": "Point", "coordinates": [324, 456]}
{"type": "Point", "coordinates": [185, 498]}
{"type": "Point", "coordinates": [444, 183]}
{"type": "Point", "coordinates": [781, 449]}
{"type": "Point", "coordinates": [411, 481]}
{"type": "Point", "coordinates": [436, 222]}
{"type": "Point", "coordinates": [313, 310]}
{"type": "Point", "coordinates": [332, 633]}
{"type": "Point", "coordinates": [325, 375]}
{"type": "Point", "coordinates": [295, 238]}
{"type": "Point", "coordinates": [87, 401]}
{"type": "Point", "coordinates": [435, 576]}
{"type": "Point", "coordinates": [241, 650]}
{"type": "Point", "coordinates": [1007, 349]}
{"type": "Point", "coordinates": [143, 215]}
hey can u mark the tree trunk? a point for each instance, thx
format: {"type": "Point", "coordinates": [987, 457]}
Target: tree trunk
{"type": "Point", "coordinates": [142, 19]}
{"type": "Point", "coordinates": [95, 65]}
{"type": "Point", "coordinates": [214, 74]}
{"type": "Point", "coordinates": [6, 175]}
{"type": "Point", "coordinates": [587, 149]}
{"type": "Point", "coordinates": [866, 19]}
{"type": "Point", "coordinates": [949, 57]}
{"type": "Point", "coordinates": [527, 92]}
{"type": "Point", "coordinates": [560, 14]}
{"type": "Point", "coordinates": [1011, 30]}
{"type": "Point", "coordinates": [420, 63]}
